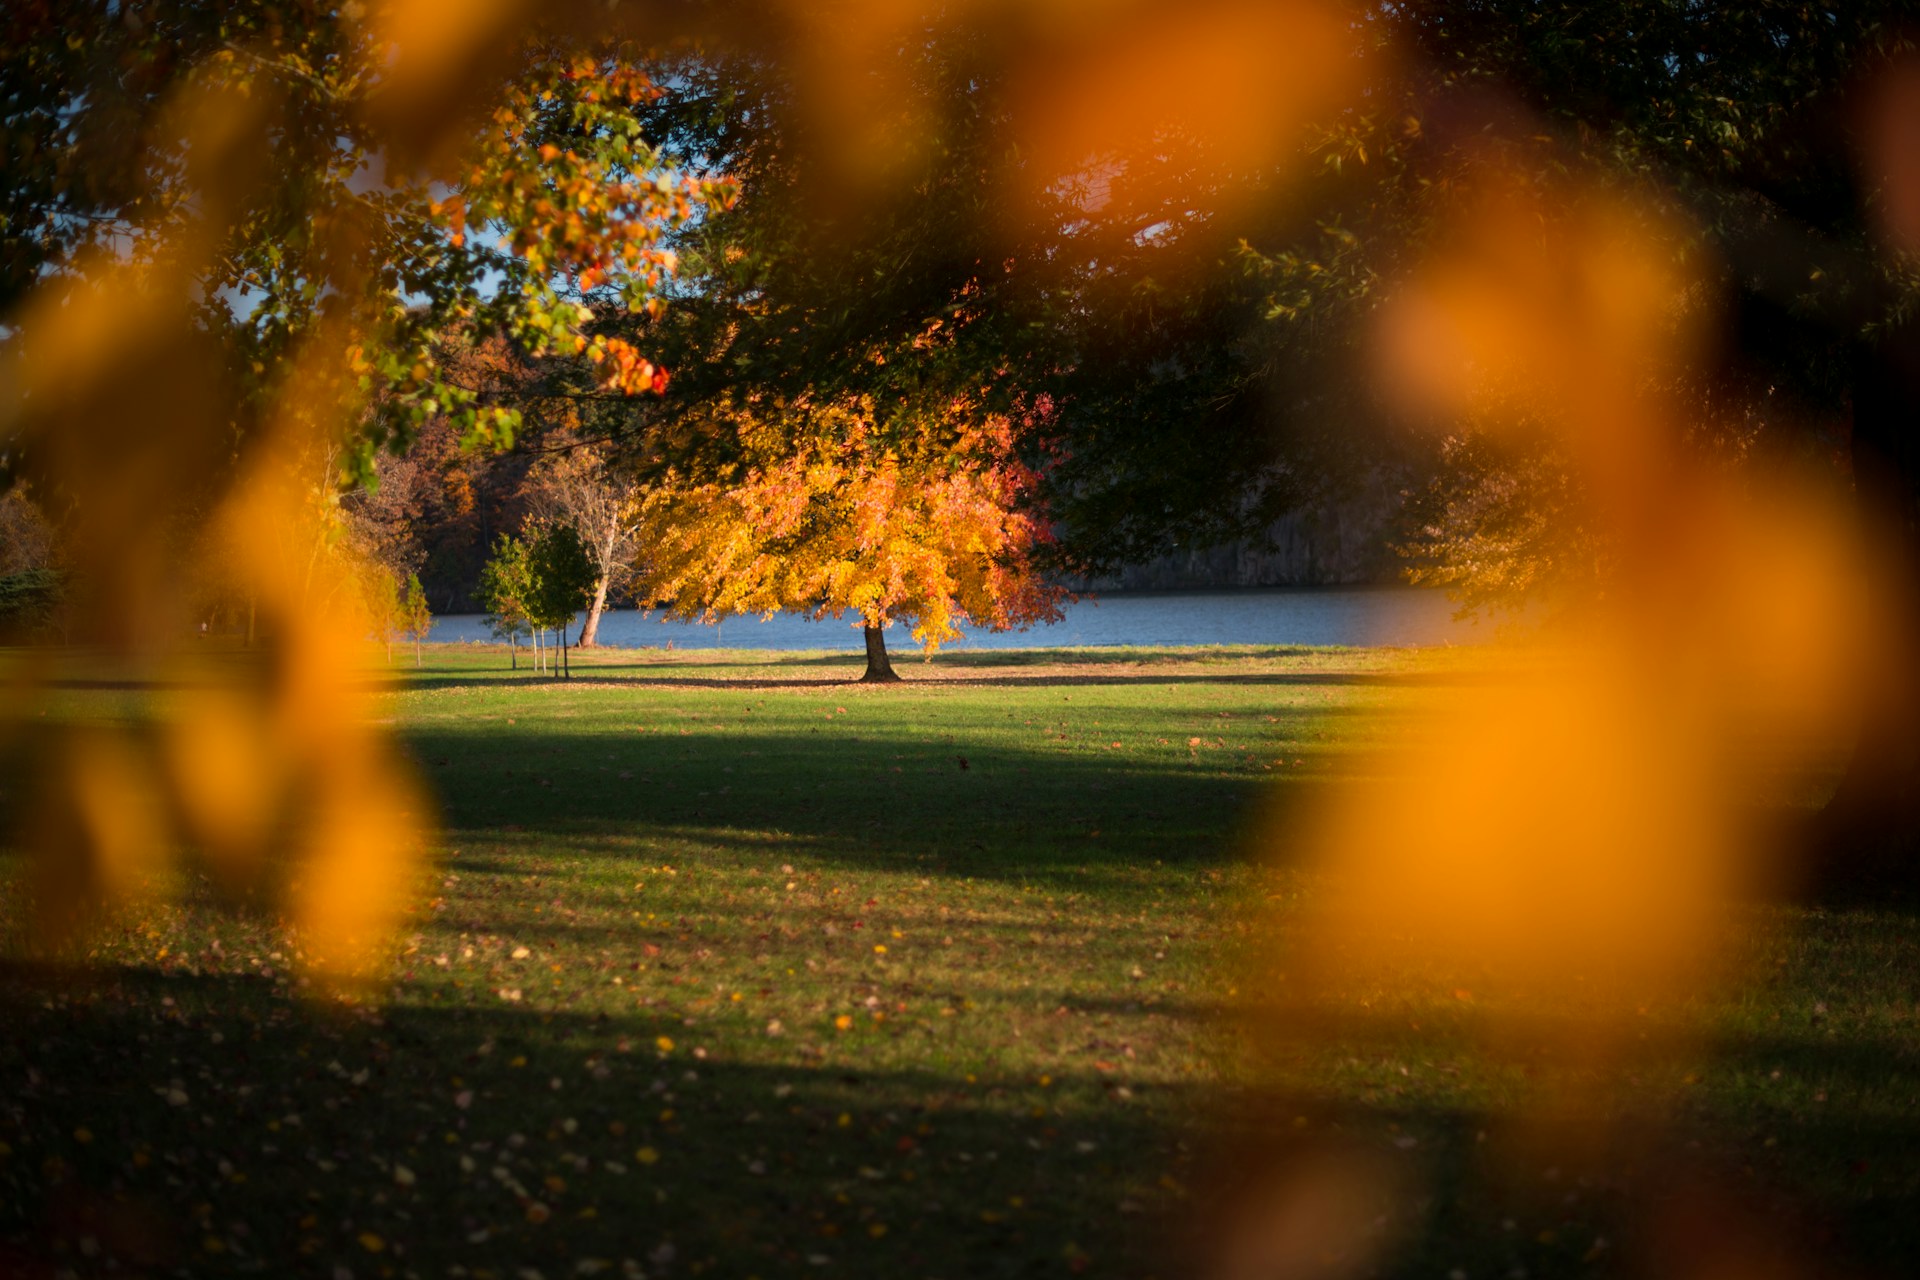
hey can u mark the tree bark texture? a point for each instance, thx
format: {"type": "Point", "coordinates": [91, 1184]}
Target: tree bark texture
{"type": "Point", "coordinates": [590, 629]}
{"type": "Point", "coordinates": [879, 668]}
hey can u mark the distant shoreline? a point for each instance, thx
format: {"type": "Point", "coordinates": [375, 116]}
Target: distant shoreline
{"type": "Point", "coordinates": [1396, 616]}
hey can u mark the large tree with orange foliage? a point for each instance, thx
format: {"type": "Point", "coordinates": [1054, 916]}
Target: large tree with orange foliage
{"type": "Point", "coordinates": [863, 402]}
{"type": "Point", "coordinates": [829, 509]}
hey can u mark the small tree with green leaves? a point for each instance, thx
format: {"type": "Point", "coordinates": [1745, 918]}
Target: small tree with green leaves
{"type": "Point", "coordinates": [564, 576]}
{"type": "Point", "coordinates": [507, 594]}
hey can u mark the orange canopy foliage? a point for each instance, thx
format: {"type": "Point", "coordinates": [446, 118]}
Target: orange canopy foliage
{"type": "Point", "coordinates": [829, 513]}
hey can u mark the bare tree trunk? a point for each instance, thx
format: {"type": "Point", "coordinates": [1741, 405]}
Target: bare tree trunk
{"type": "Point", "coordinates": [879, 669]}
{"type": "Point", "coordinates": [590, 632]}
{"type": "Point", "coordinates": [590, 629]}
{"type": "Point", "coordinates": [416, 652]}
{"type": "Point", "coordinates": [513, 650]}
{"type": "Point", "coordinates": [566, 667]}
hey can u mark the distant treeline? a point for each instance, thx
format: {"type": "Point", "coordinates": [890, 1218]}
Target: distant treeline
{"type": "Point", "coordinates": [30, 603]}
{"type": "Point", "coordinates": [1348, 543]}
{"type": "Point", "coordinates": [1344, 543]}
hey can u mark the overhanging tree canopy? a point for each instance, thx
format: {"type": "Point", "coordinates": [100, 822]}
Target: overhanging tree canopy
{"type": "Point", "coordinates": [232, 235]}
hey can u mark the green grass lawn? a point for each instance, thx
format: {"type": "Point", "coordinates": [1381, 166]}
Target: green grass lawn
{"type": "Point", "coordinates": [731, 967]}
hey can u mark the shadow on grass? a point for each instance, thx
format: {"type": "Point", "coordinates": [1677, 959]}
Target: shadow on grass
{"type": "Point", "coordinates": [817, 669]}
{"type": "Point", "coordinates": [874, 800]}
{"type": "Point", "coordinates": [598, 677]}
{"type": "Point", "coordinates": [911, 658]}
{"type": "Point", "coordinates": [210, 1125]}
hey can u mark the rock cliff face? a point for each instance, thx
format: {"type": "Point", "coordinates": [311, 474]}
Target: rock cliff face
{"type": "Point", "coordinates": [1339, 545]}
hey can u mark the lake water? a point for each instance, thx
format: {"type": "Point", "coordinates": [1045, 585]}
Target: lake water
{"type": "Point", "coordinates": [1347, 616]}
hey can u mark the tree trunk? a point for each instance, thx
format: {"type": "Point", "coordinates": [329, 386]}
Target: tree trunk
{"type": "Point", "coordinates": [879, 669]}
{"type": "Point", "coordinates": [590, 629]}
{"type": "Point", "coordinates": [590, 633]}
{"type": "Point", "coordinates": [416, 652]}
{"type": "Point", "coordinates": [566, 667]}
{"type": "Point", "coordinates": [513, 650]}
